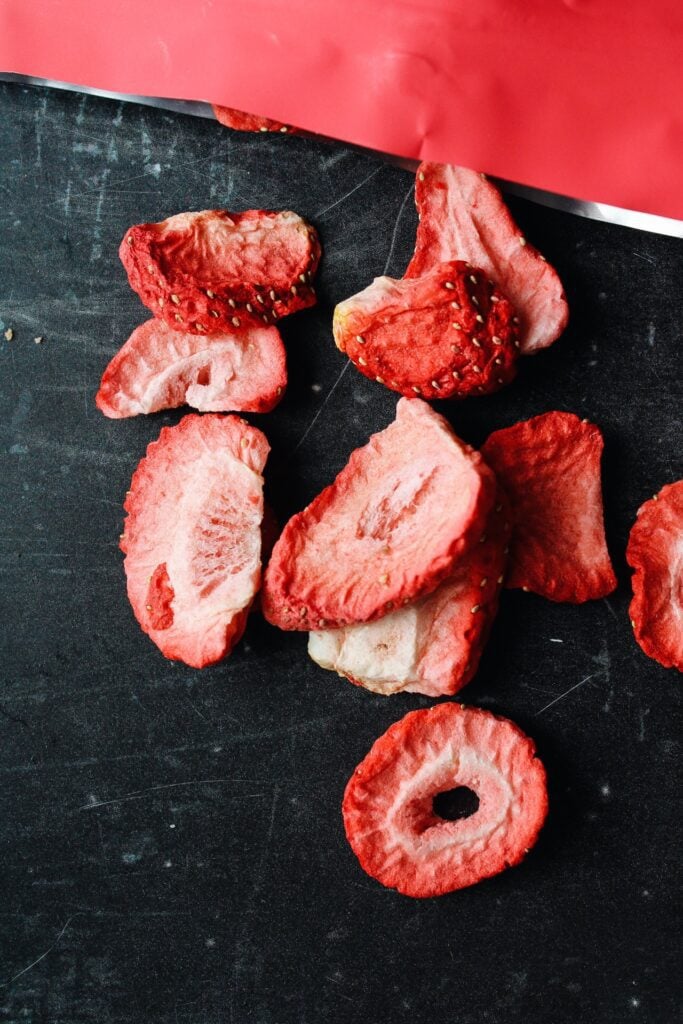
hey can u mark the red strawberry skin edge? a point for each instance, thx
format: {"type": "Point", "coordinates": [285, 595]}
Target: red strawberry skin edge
{"type": "Point", "coordinates": [387, 805]}
{"type": "Point", "coordinates": [655, 552]}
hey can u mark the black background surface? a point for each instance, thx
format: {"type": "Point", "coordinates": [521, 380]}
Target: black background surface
{"type": "Point", "coordinates": [171, 844]}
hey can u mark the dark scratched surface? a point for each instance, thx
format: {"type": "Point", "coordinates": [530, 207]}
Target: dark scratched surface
{"type": "Point", "coordinates": [171, 846]}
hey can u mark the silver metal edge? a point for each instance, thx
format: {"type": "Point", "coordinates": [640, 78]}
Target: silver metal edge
{"type": "Point", "coordinates": [581, 208]}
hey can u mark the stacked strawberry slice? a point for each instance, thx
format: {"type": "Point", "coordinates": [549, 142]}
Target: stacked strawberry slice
{"type": "Point", "coordinates": [475, 296]}
{"type": "Point", "coordinates": [397, 566]}
{"type": "Point", "coordinates": [216, 283]}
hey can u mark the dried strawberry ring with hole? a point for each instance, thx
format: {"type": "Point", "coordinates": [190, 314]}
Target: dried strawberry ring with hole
{"type": "Point", "coordinates": [393, 806]}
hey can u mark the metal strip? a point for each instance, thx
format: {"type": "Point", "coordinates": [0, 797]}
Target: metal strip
{"type": "Point", "coordinates": [580, 208]}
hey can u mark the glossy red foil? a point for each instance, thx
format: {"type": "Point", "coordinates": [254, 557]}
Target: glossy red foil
{"type": "Point", "coordinates": [580, 97]}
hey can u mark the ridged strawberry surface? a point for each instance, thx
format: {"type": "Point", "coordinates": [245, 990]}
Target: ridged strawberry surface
{"type": "Point", "coordinates": [432, 646]}
{"type": "Point", "coordinates": [655, 552]}
{"type": "Point", "coordinates": [402, 512]}
{"type": "Point", "coordinates": [549, 467]}
{"type": "Point", "coordinates": [192, 537]}
{"type": "Point", "coordinates": [391, 819]}
{"type": "Point", "coordinates": [464, 217]}
{"type": "Point", "coordinates": [239, 121]}
{"type": "Point", "coordinates": [213, 271]}
{"type": "Point", "coordinates": [159, 368]}
{"type": "Point", "coordinates": [447, 334]}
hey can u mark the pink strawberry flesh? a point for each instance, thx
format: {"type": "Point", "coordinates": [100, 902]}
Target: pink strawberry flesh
{"type": "Point", "coordinates": [159, 368]}
{"type": "Point", "coordinates": [391, 817]}
{"type": "Point", "coordinates": [432, 646]}
{"type": "Point", "coordinates": [192, 537]}
{"type": "Point", "coordinates": [398, 517]}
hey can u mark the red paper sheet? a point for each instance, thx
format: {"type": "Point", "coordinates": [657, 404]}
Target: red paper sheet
{"type": "Point", "coordinates": [580, 97]}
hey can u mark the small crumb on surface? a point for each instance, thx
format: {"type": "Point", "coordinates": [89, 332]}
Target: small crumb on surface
{"type": "Point", "coordinates": [9, 334]}
{"type": "Point", "coordinates": [39, 339]}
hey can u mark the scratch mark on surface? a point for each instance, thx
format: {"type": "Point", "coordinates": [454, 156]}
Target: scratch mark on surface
{"type": "Point", "coordinates": [96, 248]}
{"type": "Point", "coordinates": [642, 256]}
{"type": "Point", "coordinates": [81, 109]}
{"type": "Point", "coordinates": [47, 952]}
{"type": "Point", "coordinates": [346, 365]}
{"type": "Point", "coordinates": [337, 202]}
{"type": "Point", "coordinates": [67, 199]}
{"type": "Point", "coordinates": [566, 693]}
{"type": "Point", "coordinates": [196, 709]}
{"type": "Point", "coordinates": [611, 609]}
{"type": "Point", "coordinates": [641, 730]}
{"type": "Point", "coordinates": [38, 119]}
{"type": "Point", "coordinates": [396, 226]}
{"type": "Point", "coordinates": [324, 402]}
{"type": "Point", "coordinates": [249, 906]}
{"type": "Point", "coordinates": [138, 794]}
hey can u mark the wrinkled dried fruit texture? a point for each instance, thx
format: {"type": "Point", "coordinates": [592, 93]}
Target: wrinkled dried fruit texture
{"type": "Point", "coordinates": [388, 806]}
{"type": "Point", "coordinates": [159, 368]}
{"type": "Point", "coordinates": [655, 551]}
{"type": "Point", "coordinates": [463, 216]}
{"type": "Point", "coordinates": [432, 646]}
{"type": "Point", "coordinates": [213, 271]}
{"type": "Point", "coordinates": [403, 510]}
{"type": "Point", "coordinates": [241, 122]}
{"type": "Point", "coordinates": [549, 467]}
{"type": "Point", "coordinates": [192, 537]}
{"type": "Point", "coordinates": [447, 334]}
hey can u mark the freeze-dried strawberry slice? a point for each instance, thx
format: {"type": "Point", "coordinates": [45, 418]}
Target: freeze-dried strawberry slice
{"type": "Point", "coordinates": [192, 537]}
{"type": "Point", "coordinates": [400, 514]}
{"type": "Point", "coordinates": [239, 121]}
{"type": "Point", "coordinates": [432, 646]}
{"type": "Point", "coordinates": [159, 368]}
{"type": "Point", "coordinates": [463, 216]}
{"type": "Point", "coordinates": [214, 271]}
{"type": "Point", "coordinates": [549, 467]}
{"type": "Point", "coordinates": [447, 334]}
{"type": "Point", "coordinates": [392, 818]}
{"type": "Point", "coordinates": [655, 551]}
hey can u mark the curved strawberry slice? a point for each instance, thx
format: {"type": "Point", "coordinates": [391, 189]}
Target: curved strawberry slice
{"type": "Point", "coordinates": [549, 467]}
{"type": "Point", "coordinates": [392, 801]}
{"type": "Point", "coordinates": [655, 552]}
{"type": "Point", "coordinates": [463, 217]}
{"type": "Point", "coordinates": [159, 368]}
{"type": "Point", "coordinates": [432, 646]}
{"type": "Point", "coordinates": [447, 334]}
{"type": "Point", "coordinates": [239, 121]}
{"type": "Point", "coordinates": [192, 538]}
{"type": "Point", "coordinates": [400, 514]}
{"type": "Point", "coordinates": [214, 271]}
